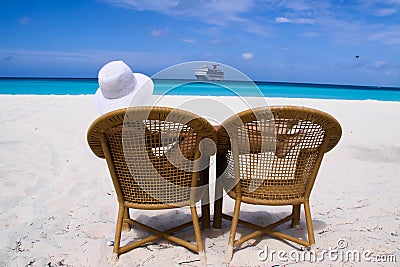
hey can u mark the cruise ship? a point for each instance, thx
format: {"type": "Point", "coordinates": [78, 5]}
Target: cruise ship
{"type": "Point", "coordinates": [205, 73]}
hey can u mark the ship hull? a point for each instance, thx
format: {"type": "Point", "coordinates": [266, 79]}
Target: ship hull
{"type": "Point", "coordinates": [202, 77]}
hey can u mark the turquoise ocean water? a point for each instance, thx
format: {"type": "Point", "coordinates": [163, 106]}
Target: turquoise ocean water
{"type": "Point", "coordinates": [226, 88]}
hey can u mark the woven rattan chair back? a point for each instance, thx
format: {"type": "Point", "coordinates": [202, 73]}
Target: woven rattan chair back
{"type": "Point", "coordinates": [154, 158]}
{"type": "Point", "coordinates": [278, 152]}
{"type": "Point", "coordinates": [272, 156]}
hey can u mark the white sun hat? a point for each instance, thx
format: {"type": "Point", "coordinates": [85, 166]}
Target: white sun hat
{"type": "Point", "coordinates": [120, 88]}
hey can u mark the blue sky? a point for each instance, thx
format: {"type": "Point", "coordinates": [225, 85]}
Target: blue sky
{"type": "Point", "coordinates": [290, 40]}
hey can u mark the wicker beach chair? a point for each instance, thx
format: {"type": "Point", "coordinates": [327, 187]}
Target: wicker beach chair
{"type": "Point", "coordinates": [271, 156]}
{"type": "Point", "coordinates": [157, 160]}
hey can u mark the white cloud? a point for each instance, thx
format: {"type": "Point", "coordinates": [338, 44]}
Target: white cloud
{"type": "Point", "coordinates": [160, 5]}
{"type": "Point", "coordinates": [247, 55]}
{"type": "Point", "coordinates": [189, 41]}
{"type": "Point", "coordinates": [214, 11]}
{"type": "Point", "coordinates": [217, 12]}
{"type": "Point", "coordinates": [282, 20]}
{"type": "Point", "coordinates": [85, 61]}
{"type": "Point", "coordinates": [388, 36]}
{"type": "Point", "coordinates": [379, 64]}
{"type": "Point", "coordinates": [383, 67]}
{"type": "Point", "coordinates": [382, 12]}
{"type": "Point", "coordinates": [295, 20]}
{"type": "Point", "coordinates": [381, 8]}
{"type": "Point", "coordinates": [339, 21]}
{"type": "Point", "coordinates": [159, 32]}
{"type": "Point", "coordinates": [299, 5]}
{"type": "Point", "coordinates": [303, 21]}
{"type": "Point", "coordinates": [22, 53]}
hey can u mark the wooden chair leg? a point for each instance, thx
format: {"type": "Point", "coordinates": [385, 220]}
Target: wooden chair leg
{"type": "Point", "coordinates": [232, 235]}
{"type": "Point", "coordinates": [205, 214]}
{"type": "Point", "coordinates": [197, 232]}
{"type": "Point", "coordinates": [125, 225]}
{"type": "Point", "coordinates": [117, 238]}
{"type": "Point", "coordinates": [307, 211]}
{"type": "Point", "coordinates": [217, 209]}
{"type": "Point", "coordinates": [219, 190]}
{"type": "Point", "coordinates": [205, 199]}
{"type": "Point", "coordinates": [296, 215]}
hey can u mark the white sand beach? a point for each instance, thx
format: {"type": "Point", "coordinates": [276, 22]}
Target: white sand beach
{"type": "Point", "coordinates": [58, 206]}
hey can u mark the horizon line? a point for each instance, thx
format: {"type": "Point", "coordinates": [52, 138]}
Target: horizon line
{"type": "Point", "coordinates": [193, 80]}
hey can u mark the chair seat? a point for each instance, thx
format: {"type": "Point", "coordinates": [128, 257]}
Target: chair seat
{"type": "Point", "coordinates": [271, 194]}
